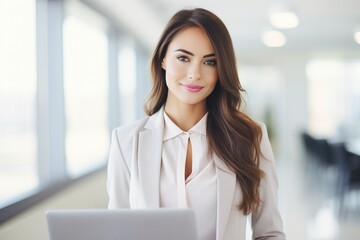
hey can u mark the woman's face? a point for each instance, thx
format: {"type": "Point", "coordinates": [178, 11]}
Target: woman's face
{"type": "Point", "coordinates": [190, 67]}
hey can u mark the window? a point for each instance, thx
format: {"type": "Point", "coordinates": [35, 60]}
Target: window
{"type": "Point", "coordinates": [18, 137]}
{"type": "Point", "coordinates": [333, 97]}
{"type": "Point", "coordinates": [127, 83]}
{"type": "Point", "coordinates": [86, 95]}
{"type": "Point", "coordinates": [59, 96]}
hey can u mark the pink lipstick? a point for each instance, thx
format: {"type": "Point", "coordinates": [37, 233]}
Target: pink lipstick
{"type": "Point", "coordinates": [192, 88]}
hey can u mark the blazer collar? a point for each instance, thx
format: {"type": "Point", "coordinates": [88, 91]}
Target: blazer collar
{"type": "Point", "coordinates": [156, 121]}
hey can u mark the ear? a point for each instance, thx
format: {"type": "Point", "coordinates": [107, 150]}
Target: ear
{"type": "Point", "coordinates": [163, 65]}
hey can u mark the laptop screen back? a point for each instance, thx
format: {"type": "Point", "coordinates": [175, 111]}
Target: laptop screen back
{"type": "Point", "coordinates": [122, 224]}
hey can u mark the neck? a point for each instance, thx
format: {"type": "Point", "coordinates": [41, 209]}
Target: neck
{"type": "Point", "coordinates": [185, 116]}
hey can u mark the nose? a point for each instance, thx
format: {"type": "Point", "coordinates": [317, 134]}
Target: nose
{"type": "Point", "coordinates": [194, 73]}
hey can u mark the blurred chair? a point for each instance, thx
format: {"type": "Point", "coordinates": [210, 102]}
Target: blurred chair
{"type": "Point", "coordinates": [318, 155]}
{"type": "Point", "coordinates": [348, 166]}
{"type": "Point", "coordinates": [310, 164]}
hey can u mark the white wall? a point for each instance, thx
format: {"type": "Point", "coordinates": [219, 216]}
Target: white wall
{"type": "Point", "coordinates": [89, 192]}
{"type": "Point", "coordinates": [286, 101]}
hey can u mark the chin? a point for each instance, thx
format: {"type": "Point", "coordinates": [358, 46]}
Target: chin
{"type": "Point", "coordinates": [193, 101]}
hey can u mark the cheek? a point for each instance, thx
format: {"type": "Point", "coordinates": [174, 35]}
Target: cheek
{"type": "Point", "coordinates": [175, 70]}
{"type": "Point", "coordinates": [212, 77]}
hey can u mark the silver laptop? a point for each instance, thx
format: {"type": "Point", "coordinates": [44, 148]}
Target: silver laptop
{"type": "Point", "coordinates": [122, 224]}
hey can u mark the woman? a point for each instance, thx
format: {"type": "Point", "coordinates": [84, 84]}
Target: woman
{"type": "Point", "coordinates": [196, 149]}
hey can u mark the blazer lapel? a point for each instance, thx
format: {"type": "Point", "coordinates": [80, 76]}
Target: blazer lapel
{"type": "Point", "coordinates": [225, 194]}
{"type": "Point", "coordinates": [149, 160]}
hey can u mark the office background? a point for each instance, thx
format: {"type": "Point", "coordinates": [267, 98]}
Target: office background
{"type": "Point", "coordinates": [72, 70]}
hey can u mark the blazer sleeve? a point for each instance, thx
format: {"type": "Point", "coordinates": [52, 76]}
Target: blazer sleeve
{"type": "Point", "coordinates": [118, 178]}
{"type": "Point", "coordinates": [266, 221]}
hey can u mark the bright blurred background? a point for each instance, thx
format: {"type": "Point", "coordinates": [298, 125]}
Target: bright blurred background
{"type": "Point", "coordinates": [72, 70]}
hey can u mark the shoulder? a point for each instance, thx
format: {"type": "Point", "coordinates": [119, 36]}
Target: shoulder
{"type": "Point", "coordinates": [125, 134]}
{"type": "Point", "coordinates": [132, 127]}
{"type": "Point", "coordinates": [265, 145]}
{"type": "Point", "coordinates": [123, 137]}
{"type": "Point", "coordinates": [262, 126]}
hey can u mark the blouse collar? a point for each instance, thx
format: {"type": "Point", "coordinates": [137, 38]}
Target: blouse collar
{"type": "Point", "coordinates": [171, 130]}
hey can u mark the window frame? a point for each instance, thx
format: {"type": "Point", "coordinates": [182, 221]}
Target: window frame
{"type": "Point", "coordinates": [53, 176]}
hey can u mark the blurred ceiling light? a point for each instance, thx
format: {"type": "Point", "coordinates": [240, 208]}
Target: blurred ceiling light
{"type": "Point", "coordinates": [357, 36]}
{"type": "Point", "coordinates": [273, 38]}
{"type": "Point", "coordinates": [283, 15]}
{"type": "Point", "coordinates": [283, 19]}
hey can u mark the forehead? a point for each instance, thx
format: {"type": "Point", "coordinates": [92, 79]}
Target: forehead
{"type": "Point", "coordinates": [193, 39]}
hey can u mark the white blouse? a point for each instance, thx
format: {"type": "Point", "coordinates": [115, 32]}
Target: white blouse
{"type": "Point", "coordinates": [198, 191]}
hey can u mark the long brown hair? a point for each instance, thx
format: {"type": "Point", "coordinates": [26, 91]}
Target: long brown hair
{"type": "Point", "coordinates": [232, 135]}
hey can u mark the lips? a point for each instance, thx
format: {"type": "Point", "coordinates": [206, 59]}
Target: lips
{"type": "Point", "coordinates": [192, 88]}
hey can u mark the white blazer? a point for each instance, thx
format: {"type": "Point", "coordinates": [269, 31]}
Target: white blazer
{"type": "Point", "coordinates": [134, 180]}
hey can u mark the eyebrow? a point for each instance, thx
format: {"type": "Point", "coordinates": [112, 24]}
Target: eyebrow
{"type": "Point", "coordinates": [191, 54]}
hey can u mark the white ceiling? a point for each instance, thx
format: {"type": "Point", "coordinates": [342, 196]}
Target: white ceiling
{"type": "Point", "coordinates": [324, 24]}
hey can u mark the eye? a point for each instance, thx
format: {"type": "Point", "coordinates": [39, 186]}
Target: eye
{"type": "Point", "coordinates": [183, 59]}
{"type": "Point", "coordinates": [211, 62]}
